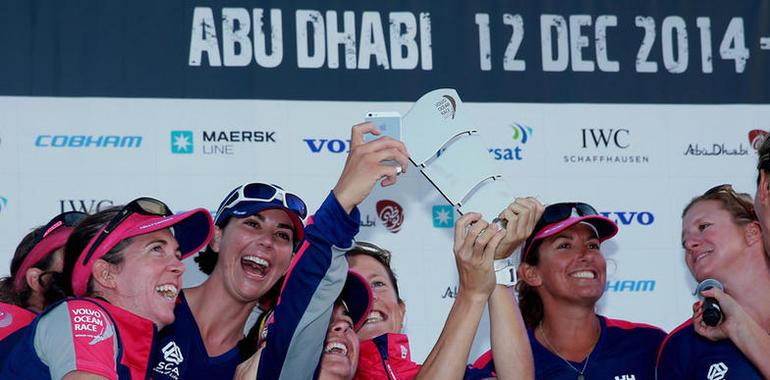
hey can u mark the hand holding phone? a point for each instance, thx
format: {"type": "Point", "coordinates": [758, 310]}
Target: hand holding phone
{"type": "Point", "coordinates": [389, 124]}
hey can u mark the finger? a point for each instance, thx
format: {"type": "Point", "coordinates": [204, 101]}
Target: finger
{"type": "Point", "coordinates": [387, 142]}
{"type": "Point", "coordinates": [477, 237]}
{"type": "Point", "coordinates": [391, 154]}
{"type": "Point", "coordinates": [461, 227]}
{"type": "Point", "coordinates": [482, 240]}
{"type": "Point", "coordinates": [512, 219]}
{"type": "Point", "coordinates": [491, 246]}
{"type": "Point", "coordinates": [389, 174]}
{"type": "Point", "coordinates": [359, 130]}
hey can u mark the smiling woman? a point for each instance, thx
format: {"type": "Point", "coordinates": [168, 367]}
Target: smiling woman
{"type": "Point", "coordinates": [562, 276]}
{"type": "Point", "coordinates": [124, 267]}
{"type": "Point", "coordinates": [722, 240]}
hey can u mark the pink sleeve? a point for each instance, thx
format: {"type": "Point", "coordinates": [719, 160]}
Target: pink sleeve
{"type": "Point", "coordinates": [78, 335]}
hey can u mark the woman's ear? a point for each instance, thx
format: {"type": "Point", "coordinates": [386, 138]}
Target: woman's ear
{"type": "Point", "coordinates": [530, 275]}
{"type": "Point", "coordinates": [402, 317]}
{"type": "Point", "coordinates": [216, 239]}
{"type": "Point", "coordinates": [104, 274]}
{"type": "Point", "coordinates": [32, 278]}
{"type": "Point", "coordinates": [753, 233]}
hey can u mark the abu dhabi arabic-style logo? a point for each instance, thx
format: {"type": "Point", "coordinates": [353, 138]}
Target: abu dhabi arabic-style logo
{"type": "Point", "coordinates": [181, 142]}
{"type": "Point", "coordinates": [756, 138]}
{"type": "Point", "coordinates": [391, 214]}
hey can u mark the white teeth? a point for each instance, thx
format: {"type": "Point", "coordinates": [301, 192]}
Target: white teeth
{"type": "Point", "coordinates": [167, 290]}
{"type": "Point", "coordinates": [374, 316]}
{"type": "Point", "coordinates": [701, 255]}
{"type": "Point", "coordinates": [583, 274]}
{"type": "Point", "coordinates": [257, 261]}
{"type": "Point", "coordinates": [336, 347]}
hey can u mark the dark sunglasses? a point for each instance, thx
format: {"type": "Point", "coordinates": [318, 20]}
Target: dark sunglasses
{"type": "Point", "coordinates": [66, 219]}
{"type": "Point", "coordinates": [262, 192]}
{"type": "Point", "coordinates": [144, 206]}
{"type": "Point", "coordinates": [560, 211]}
{"type": "Point", "coordinates": [728, 189]}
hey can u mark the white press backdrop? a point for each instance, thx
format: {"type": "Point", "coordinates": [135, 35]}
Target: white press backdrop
{"type": "Point", "coordinates": [657, 158]}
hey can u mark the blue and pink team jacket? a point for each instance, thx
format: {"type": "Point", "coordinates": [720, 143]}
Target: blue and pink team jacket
{"type": "Point", "coordinates": [13, 319]}
{"type": "Point", "coordinates": [295, 341]}
{"type": "Point", "coordinates": [83, 334]}
{"type": "Point", "coordinates": [687, 355]}
{"type": "Point", "coordinates": [625, 351]}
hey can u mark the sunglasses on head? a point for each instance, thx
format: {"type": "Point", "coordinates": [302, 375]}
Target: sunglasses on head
{"type": "Point", "coordinates": [262, 192]}
{"type": "Point", "coordinates": [728, 189]}
{"type": "Point", "coordinates": [557, 212]}
{"type": "Point", "coordinates": [143, 206]}
{"type": "Point", "coordinates": [380, 254]}
{"type": "Point", "coordinates": [66, 219]}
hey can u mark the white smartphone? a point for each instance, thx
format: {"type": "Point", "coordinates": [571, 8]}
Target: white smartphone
{"type": "Point", "coordinates": [389, 124]}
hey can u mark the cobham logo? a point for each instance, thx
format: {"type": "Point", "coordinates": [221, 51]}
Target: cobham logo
{"type": "Point", "coordinates": [391, 214]}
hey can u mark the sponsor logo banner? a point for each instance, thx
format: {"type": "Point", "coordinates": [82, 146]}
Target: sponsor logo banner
{"type": "Point", "coordinates": [218, 142]}
{"type": "Point", "coordinates": [391, 214]}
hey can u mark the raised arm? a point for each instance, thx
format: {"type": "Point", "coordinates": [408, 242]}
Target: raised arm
{"type": "Point", "coordinates": [318, 271]}
{"type": "Point", "coordinates": [474, 248]}
{"type": "Point", "coordinates": [509, 337]}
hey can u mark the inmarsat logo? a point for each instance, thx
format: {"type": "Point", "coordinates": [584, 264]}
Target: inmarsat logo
{"type": "Point", "coordinates": [391, 214]}
{"type": "Point", "coordinates": [172, 353]}
{"type": "Point", "coordinates": [717, 371]}
{"type": "Point", "coordinates": [3, 203]}
{"type": "Point", "coordinates": [521, 134]}
{"type": "Point", "coordinates": [181, 142]}
{"type": "Point", "coordinates": [447, 107]}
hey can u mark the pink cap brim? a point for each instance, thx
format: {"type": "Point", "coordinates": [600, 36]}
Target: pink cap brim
{"type": "Point", "coordinates": [192, 229]}
{"type": "Point", "coordinates": [604, 227]}
{"type": "Point", "coordinates": [45, 247]}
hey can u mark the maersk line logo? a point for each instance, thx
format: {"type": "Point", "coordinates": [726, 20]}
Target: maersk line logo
{"type": "Point", "coordinates": [181, 142]}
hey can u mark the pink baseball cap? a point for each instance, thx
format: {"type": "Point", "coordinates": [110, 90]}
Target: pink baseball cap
{"type": "Point", "coordinates": [558, 217]}
{"type": "Point", "coordinates": [192, 229]}
{"type": "Point", "coordinates": [47, 240]}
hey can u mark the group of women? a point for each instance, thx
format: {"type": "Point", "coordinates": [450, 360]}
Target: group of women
{"type": "Point", "coordinates": [100, 296]}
